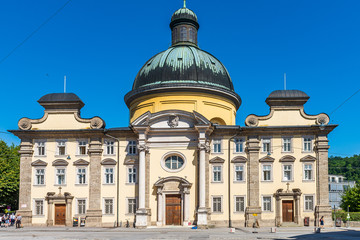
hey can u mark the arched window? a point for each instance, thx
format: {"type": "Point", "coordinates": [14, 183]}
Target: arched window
{"type": "Point", "coordinates": [192, 35]}
{"type": "Point", "coordinates": [174, 162]}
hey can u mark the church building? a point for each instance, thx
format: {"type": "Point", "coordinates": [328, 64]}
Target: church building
{"type": "Point", "coordinates": [182, 160]}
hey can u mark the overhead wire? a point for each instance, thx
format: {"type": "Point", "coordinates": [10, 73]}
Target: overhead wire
{"type": "Point", "coordinates": [35, 31]}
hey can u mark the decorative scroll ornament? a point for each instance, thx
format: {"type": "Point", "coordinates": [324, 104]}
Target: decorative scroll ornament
{"type": "Point", "coordinates": [24, 124]}
{"type": "Point", "coordinates": [204, 146]}
{"type": "Point", "coordinates": [173, 121]}
{"type": "Point", "coordinates": [252, 121]}
{"type": "Point", "coordinates": [96, 123]}
{"type": "Point", "coordinates": [143, 147]}
{"type": "Point", "coordinates": [322, 119]}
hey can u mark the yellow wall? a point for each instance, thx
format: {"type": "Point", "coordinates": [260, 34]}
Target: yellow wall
{"type": "Point", "coordinates": [211, 106]}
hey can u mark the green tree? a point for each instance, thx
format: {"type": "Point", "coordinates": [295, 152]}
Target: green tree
{"type": "Point", "coordinates": [349, 167]}
{"type": "Point", "coordinates": [351, 198]}
{"type": "Point", "coordinates": [9, 175]}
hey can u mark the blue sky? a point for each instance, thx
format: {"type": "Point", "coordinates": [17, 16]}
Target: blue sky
{"type": "Point", "coordinates": [101, 45]}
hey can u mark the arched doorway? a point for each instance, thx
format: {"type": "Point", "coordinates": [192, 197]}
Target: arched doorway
{"type": "Point", "coordinates": [173, 198]}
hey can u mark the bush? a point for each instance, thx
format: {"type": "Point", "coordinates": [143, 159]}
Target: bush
{"type": "Point", "coordinates": [354, 216]}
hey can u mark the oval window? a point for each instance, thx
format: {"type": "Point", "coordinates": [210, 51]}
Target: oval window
{"type": "Point", "coordinates": [174, 162]}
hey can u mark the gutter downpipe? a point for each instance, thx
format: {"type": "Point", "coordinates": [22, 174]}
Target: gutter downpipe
{"type": "Point", "coordinates": [229, 172]}
{"type": "Point", "coordinates": [117, 176]}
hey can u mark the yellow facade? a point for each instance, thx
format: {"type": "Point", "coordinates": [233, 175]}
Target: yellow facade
{"type": "Point", "coordinates": [215, 108]}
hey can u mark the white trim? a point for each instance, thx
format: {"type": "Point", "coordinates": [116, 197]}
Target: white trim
{"type": "Point", "coordinates": [221, 172]}
{"type": "Point", "coordinates": [291, 144]}
{"type": "Point", "coordinates": [271, 203]}
{"type": "Point", "coordinates": [36, 142]}
{"type": "Point", "coordinates": [76, 175]}
{"type": "Point", "coordinates": [169, 154]}
{"type": "Point", "coordinates": [57, 154]}
{"type": "Point", "coordinates": [213, 144]}
{"type": "Point", "coordinates": [243, 175]}
{"type": "Point", "coordinates": [311, 143]}
{"type": "Point", "coordinates": [113, 206]}
{"type": "Point", "coordinates": [282, 171]}
{"type": "Point", "coordinates": [262, 138]}
{"type": "Point", "coordinates": [313, 202]}
{"type": "Point", "coordinates": [104, 175]}
{"type": "Point", "coordinates": [65, 177]}
{"type": "Point", "coordinates": [127, 205]}
{"type": "Point", "coordinates": [105, 153]}
{"type": "Point", "coordinates": [43, 207]}
{"type": "Point", "coordinates": [312, 172]}
{"type": "Point", "coordinates": [35, 178]}
{"type": "Point", "coordinates": [271, 172]}
{"type": "Point", "coordinates": [221, 204]}
{"type": "Point", "coordinates": [78, 146]}
{"type": "Point", "coordinates": [77, 206]}
{"type": "Point", "coordinates": [243, 141]}
{"type": "Point", "coordinates": [243, 196]}
{"type": "Point", "coordinates": [128, 147]}
{"type": "Point", "coordinates": [136, 174]}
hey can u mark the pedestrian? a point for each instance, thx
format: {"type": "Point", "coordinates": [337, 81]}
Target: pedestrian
{"type": "Point", "coordinates": [322, 222]}
{"type": "Point", "coordinates": [18, 221]}
{"type": "Point", "coordinates": [12, 218]}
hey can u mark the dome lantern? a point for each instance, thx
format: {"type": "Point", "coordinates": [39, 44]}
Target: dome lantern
{"type": "Point", "coordinates": [184, 26]}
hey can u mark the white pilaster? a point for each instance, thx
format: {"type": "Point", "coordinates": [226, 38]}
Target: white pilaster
{"type": "Point", "coordinates": [160, 208]}
{"type": "Point", "coordinates": [202, 211]}
{"type": "Point", "coordinates": [186, 206]}
{"type": "Point", "coordinates": [141, 213]}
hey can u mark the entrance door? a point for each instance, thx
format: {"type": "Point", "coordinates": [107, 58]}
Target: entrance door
{"type": "Point", "coordinates": [288, 211]}
{"type": "Point", "coordinates": [173, 209]}
{"type": "Point", "coordinates": [60, 214]}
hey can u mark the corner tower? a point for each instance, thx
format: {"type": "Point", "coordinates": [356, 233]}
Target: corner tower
{"type": "Point", "coordinates": [184, 77]}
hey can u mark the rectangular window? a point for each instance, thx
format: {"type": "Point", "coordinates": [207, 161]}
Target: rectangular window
{"type": "Point", "coordinates": [183, 34]}
{"type": "Point", "coordinates": [239, 173]}
{"type": "Point", "coordinates": [109, 175]}
{"type": "Point", "coordinates": [307, 144]}
{"type": "Point", "coordinates": [239, 204]}
{"type": "Point", "coordinates": [131, 205]}
{"type": "Point", "coordinates": [239, 145]}
{"type": "Point", "coordinates": [266, 145]}
{"type": "Point", "coordinates": [40, 148]}
{"type": "Point", "coordinates": [308, 172]}
{"type": "Point", "coordinates": [309, 203]}
{"type": "Point", "coordinates": [39, 207]}
{"type": "Point", "coordinates": [287, 172]}
{"type": "Point", "coordinates": [287, 144]}
{"type": "Point", "coordinates": [267, 204]}
{"type": "Point", "coordinates": [40, 176]}
{"type": "Point", "coordinates": [132, 175]}
{"type": "Point", "coordinates": [60, 176]}
{"type": "Point", "coordinates": [82, 147]}
{"type": "Point", "coordinates": [216, 173]}
{"type": "Point", "coordinates": [217, 145]}
{"type": "Point", "coordinates": [132, 149]}
{"type": "Point", "coordinates": [81, 176]}
{"type": "Point", "coordinates": [216, 204]}
{"type": "Point", "coordinates": [266, 172]}
{"type": "Point", "coordinates": [109, 150]}
{"type": "Point", "coordinates": [61, 147]}
{"type": "Point", "coordinates": [109, 206]}
{"type": "Point", "coordinates": [81, 206]}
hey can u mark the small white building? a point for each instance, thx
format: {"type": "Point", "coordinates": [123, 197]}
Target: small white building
{"type": "Point", "coordinates": [337, 186]}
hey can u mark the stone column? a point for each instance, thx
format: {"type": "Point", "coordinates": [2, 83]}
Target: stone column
{"type": "Point", "coordinates": [253, 194]}
{"type": "Point", "coordinates": [50, 221]}
{"type": "Point", "coordinates": [94, 213]}
{"type": "Point", "coordinates": [202, 211]}
{"type": "Point", "coordinates": [26, 152]}
{"type": "Point", "coordinates": [277, 211]}
{"type": "Point", "coordinates": [68, 200]}
{"type": "Point", "coordinates": [141, 213]}
{"type": "Point", "coordinates": [186, 206]}
{"type": "Point", "coordinates": [322, 207]}
{"type": "Point", "coordinates": [160, 207]}
{"type": "Point", "coordinates": [297, 215]}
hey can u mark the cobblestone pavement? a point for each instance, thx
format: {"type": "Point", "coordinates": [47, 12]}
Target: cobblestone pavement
{"type": "Point", "coordinates": [176, 233]}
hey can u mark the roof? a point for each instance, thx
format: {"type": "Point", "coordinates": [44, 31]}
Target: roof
{"type": "Point", "coordinates": [184, 15]}
{"type": "Point", "coordinates": [288, 94]}
{"type": "Point", "coordinates": [60, 97]}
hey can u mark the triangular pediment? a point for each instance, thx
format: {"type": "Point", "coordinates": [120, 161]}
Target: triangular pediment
{"type": "Point", "coordinates": [239, 159]}
{"type": "Point", "coordinates": [308, 158]}
{"type": "Point", "coordinates": [131, 161]}
{"type": "Point", "coordinates": [39, 163]}
{"type": "Point", "coordinates": [287, 158]}
{"type": "Point", "coordinates": [267, 159]}
{"type": "Point", "coordinates": [108, 161]}
{"type": "Point", "coordinates": [60, 162]}
{"type": "Point", "coordinates": [81, 162]}
{"type": "Point", "coordinates": [217, 160]}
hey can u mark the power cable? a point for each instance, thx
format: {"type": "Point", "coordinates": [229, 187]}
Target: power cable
{"type": "Point", "coordinates": [35, 31]}
{"type": "Point", "coordinates": [344, 102]}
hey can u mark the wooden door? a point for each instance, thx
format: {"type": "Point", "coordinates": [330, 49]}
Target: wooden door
{"type": "Point", "coordinates": [288, 211]}
{"type": "Point", "coordinates": [60, 214]}
{"type": "Point", "coordinates": [173, 210]}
